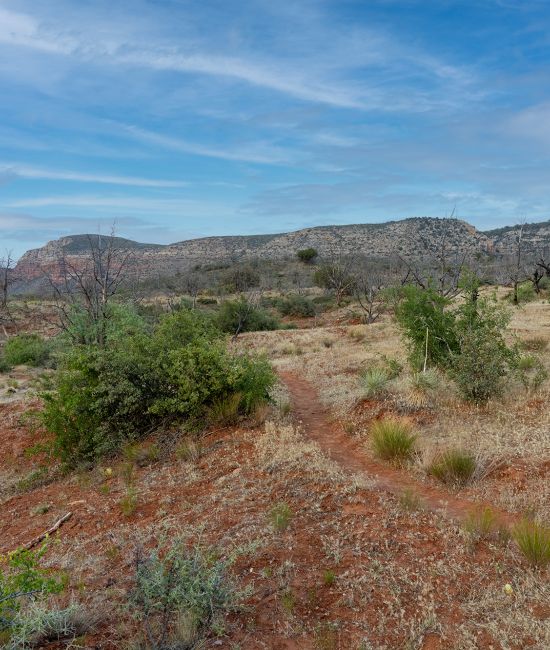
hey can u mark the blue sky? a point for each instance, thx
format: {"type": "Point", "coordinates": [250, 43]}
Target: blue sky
{"type": "Point", "coordinates": [184, 118]}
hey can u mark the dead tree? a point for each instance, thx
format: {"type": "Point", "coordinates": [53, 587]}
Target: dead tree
{"type": "Point", "coordinates": [337, 276]}
{"type": "Point", "coordinates": [515, 269]}
{"type": "Point", "coordinates": [7, 279]}
{"type": "Point", "coordinates": [89, 284]}
{"type": "Point", "coordinates": [440, 269]}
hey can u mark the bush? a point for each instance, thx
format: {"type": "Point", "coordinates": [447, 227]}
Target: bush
{"type": "Point", "coordinates": [374, 382]}
{"type": "Point", "coordinates": [182, 595]}
{"type": "Point", "coordinates": [392, 439]}
{"type": "Point", "coordinates": [236, 316]}
{"type": "Point", "coordinates": [533, 540]}
{"type": "Point", "coordinates": [428, 326]}
{"type": "Point", "coordinates": [241, 278]}
{"type": "Point", "coordinates": [466, 342]}
{"type": "Point", "coordinates": [26, 349]}
{"type": "Point", "coordinates": [37, 625]}
{"type": "Point", "coordinates": [296, 305]}
{"type": "Point", "coordinates": [525, 293]}
{"type": "Point", "coordinates": [105, 397]}
{"type": "Point", "coordinates": [483, 361]}
{"type": "Point", "coordinates": [454, 467]}
{"type": "Point", "coordinates": [22, 577]}
{"type": "Point", "coordinates": [306, 255]}
{"type": "Point", "coordinates": [119, 321]}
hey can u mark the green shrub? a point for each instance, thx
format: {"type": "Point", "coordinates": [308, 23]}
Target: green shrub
{"type": "Point", "coordinates": [428, 326]}
{"type": "Point", "coordinates": [23, 577]}
{"type": "Point", "coordinates": [118, 322]}
{"type": "Point", "coordinates": [392, 439]}
{"type": "Point", "coordinates": [306, 255]}
{"type": "Point", "coordinates": [4, 365]}
{"type": "Point", "coordinates": [296, 305]}
{"type": "Point", "coordinates": [530, 371]}
{"type": "Point", "coordinates": [533, 540]}
{"type": "Point", "coordinates": [105, 397]}
{"type": "Point", "coordinates": [454, 467]}
{"type": "Point", "coordinates": [525, 293]}
{"type": "Point", "coordinates": [483, 362]}
{"type": "Point", "coordinates": [181, 595]}
{"type": "Point", "coordinates": [236, 316]}
{"type": "Point", "coordinates": [323, 303]}
{"type": "Point", "coordinates": [374, 382]}
{"type": "Point", "coordinates": [27, 349]}
{"type": "Point", "coordinates": [392, 367]}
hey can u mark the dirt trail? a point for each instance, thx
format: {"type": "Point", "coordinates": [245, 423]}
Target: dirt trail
{"type": "Point", "coordinates": [317, 423]}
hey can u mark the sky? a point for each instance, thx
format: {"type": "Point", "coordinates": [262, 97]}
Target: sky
{"type": "Point", "coordinates": [175, 119]}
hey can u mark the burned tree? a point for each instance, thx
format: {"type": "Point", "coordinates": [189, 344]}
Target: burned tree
{"type": "Point", "coordinates": [85, 286]}
{"type": "Point", "coordinates": [7, 279]}
{"type": "Point", "coordinates": [336, 275]}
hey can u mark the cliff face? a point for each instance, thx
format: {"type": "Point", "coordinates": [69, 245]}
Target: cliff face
{"type": "Point", "coordinates": [413, 238]}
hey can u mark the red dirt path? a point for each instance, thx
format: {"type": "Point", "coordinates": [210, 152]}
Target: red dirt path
{"type": "Point", "coordinates": [350, 453]}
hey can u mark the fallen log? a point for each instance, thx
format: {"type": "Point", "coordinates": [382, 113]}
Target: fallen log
{"type": "Point", "coordinates": [47, 533]}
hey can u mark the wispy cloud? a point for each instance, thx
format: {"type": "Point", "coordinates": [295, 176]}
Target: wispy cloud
{"type": "Point", "coordinates": [124, 204]}
{"type": "Point", "coordinates": [16, 170]}
{"type": "Point", "coordinates": [256, 153]}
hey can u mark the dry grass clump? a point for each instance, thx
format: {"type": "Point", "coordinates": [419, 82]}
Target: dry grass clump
{"type": "Point", "coordinates": [281, 446]}
{"type": "Point", "coordinates": [480, 523]}
{"type": "Point", "coordinates": [392, 439]}
{"type": "Point", "coordinates": [454, 467]}
{"type": "Point", "coordinates": [280, 516]}
{"type": "Point", "coordinates": [358, 333]}
{"type": "Point", "coordinates": [534, 344]}
{"type": "Point", "coordinates": [533, 539]}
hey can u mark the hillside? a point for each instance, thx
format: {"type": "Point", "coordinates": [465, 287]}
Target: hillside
{"type": "Point", "coordinates": [410, 237]}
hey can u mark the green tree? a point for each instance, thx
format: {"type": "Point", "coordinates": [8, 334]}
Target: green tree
{"type": "Point", "coordinates": [307, 255]}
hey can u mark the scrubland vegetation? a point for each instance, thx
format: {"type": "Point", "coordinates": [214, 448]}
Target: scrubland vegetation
{"type": "Point", "coordinates": [357, 464]}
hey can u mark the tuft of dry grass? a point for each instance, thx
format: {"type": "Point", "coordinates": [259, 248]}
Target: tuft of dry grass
{"type": "Point", "coordinates": [454, 467]}
{"type": "Point", "coordinates": [533, 539]}
{"type": "Point", "coordinates": [392, 439]}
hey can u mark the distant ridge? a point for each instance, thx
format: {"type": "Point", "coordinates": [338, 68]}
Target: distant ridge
{"type": "Point", "coordinates": [415, 237]}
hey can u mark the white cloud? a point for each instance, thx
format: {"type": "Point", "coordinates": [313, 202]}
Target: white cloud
{"type": "Point", "coordinates": [133, 204]}
{"type": "Point", "coordinates": [256, 153]}
{"type": "Point", "coordinates": [25, 171]}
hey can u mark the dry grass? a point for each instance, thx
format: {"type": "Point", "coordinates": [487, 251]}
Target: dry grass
{"type": "Point", "coordinates": [403, 573]}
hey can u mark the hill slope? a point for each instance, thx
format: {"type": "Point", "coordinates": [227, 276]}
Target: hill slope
{"type": "Point", "coordinates": [410, 237]}
{"type": "Point", "coordinates": [414, 238]}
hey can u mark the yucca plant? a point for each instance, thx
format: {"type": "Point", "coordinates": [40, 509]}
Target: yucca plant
{"type": "Point", "coordinates": [454, 467]}
{"type": "Point", "coordinates": [533, 540]}
{"type": "Point", "coordinates": [392, 439]}
{"type": "Point", "coordinates": [421, 385]}
{"type": "Point", "coordinates": [374, 382]}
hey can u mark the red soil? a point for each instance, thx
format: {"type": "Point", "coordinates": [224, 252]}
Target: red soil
{"type": "Point", "coordinates": [352, 456]}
